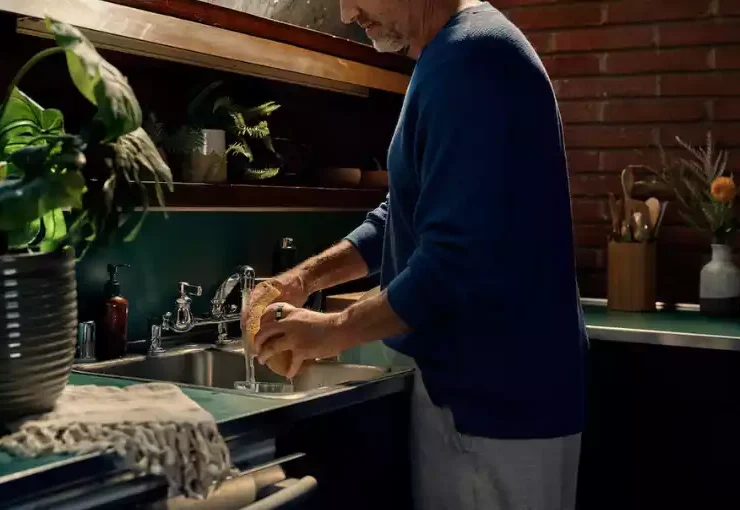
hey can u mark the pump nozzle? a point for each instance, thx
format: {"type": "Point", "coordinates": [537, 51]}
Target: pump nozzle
{"type": "Point", "coordinates": [113, 287]}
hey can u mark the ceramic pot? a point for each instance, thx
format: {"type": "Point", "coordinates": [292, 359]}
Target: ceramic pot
{"type": "Point", "coordinates": [719, 288]}
{"type": "Point", "coordinates": [38, 306]}
{"type": "Point", "coordinates": [207, 163]}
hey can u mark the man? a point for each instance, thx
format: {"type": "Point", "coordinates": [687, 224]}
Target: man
{"type": "Point", "coordinates": [475, 249]}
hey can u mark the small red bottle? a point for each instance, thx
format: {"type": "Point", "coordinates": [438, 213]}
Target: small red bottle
{"type": "Point", "coordinates": [113, 326]}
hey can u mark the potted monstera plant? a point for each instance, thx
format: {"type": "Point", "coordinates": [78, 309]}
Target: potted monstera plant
{"type": "Point", "coordinates": [60, 193]}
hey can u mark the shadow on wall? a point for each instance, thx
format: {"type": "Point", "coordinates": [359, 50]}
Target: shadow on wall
{"type": "Point", "coordinates": [201, 249]}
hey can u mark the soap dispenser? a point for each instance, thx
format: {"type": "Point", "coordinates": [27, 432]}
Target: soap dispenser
{"type": "Point", "coordinates": [113, 326]}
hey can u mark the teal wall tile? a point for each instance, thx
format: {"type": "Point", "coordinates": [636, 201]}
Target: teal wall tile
{"type": "Point", "coordinates": [202, 248]}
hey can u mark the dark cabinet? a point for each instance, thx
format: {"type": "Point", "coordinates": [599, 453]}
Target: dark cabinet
{"type": "Point", "coordinates": [663, 429]}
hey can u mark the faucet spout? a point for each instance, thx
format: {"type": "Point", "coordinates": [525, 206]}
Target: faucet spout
{"type": "Point", "coordinates": [217, 303]}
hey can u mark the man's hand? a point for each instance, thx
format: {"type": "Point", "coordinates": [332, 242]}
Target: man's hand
{"type": "Point", "coordinates": [311, 335]}
{"type": "Point", "coordinates": [306, 334]}
{"type": "Point", "coordinates": [292, 287]}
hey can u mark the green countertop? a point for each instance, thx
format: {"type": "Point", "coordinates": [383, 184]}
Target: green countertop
{"type": "Point", "coordinates": [223, 406]}
{"type": "Point", "coordinates": [682, 322]}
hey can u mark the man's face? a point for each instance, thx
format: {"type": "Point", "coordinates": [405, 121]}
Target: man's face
{"type": "Point", "coordinates": [385, 21]}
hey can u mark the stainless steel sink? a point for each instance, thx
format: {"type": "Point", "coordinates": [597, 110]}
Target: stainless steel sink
{"type": "Point", "coordinates": [218, 368]}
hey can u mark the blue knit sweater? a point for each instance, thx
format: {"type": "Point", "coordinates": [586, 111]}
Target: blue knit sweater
{"type": "Point", "coordinates": [475, 241]}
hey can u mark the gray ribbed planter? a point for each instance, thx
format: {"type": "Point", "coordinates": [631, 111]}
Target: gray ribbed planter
{"type": "Point", "coordinates": [38, 323]}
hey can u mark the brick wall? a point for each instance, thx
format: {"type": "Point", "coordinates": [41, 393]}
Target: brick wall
{"type": "Point", "coordinates": [629, 74]}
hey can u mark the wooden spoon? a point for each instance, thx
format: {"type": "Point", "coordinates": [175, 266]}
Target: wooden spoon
{"type": "Point", "coordinates": [653, 205]}
{"type": "Point", "coordinates": [628, 180]}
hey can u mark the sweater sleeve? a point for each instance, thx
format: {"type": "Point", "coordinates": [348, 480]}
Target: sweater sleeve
{"type": "Point", "coordinates": [368, 237]}
{"type": "Point", "coordinates": [461, 210]}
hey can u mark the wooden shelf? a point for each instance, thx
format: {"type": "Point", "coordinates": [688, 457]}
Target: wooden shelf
{"type": "Point", "coordinates": [236, 21]}
{"type": "Point", "coordinates": [247, 197]}
{"type": "Point", "coordinates": [141, 32]}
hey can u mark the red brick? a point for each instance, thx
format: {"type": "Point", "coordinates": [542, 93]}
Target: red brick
{"type": "Point", "coordinates": [593, 39]}
{"type": "Point", "coordinates": [556, 16]}
{"type": "Point", "coordinates": [728, 7]}
{"type": "Point", "coordinates": [598, 136]}
{"type": "Point", "coordinates": [733, 160]}
{"type": "Point", "coordinates": [541, 41]}
{"type": "Point", "coordinates": [580, 111]}
{"type": "Point", "coordinates": [591, 235]}
{"type": "Point", "coordinates": [683, 236]}
{"type": "Point", "coordinates": [727, 109]}
{"type": "Point", "coordinates": [583, 161]}
{"type": "Point", "coordinates": [727, 57]}
{"type": "Point", "coordinates": [559, 66]}
{"type": "Point", "coordinates": [714, 84]}
{"type": "Point", "coordinates": [718, 31]}
{"type": "Point", "coordinates": [590, 211]}
{"type": "Point", "coordinates": [629, 86]}
{"type": "Point", "coordinates": [630, 11]}
{"type": "Point", "coordinates": [725, 134]}
{"type": "Point", "coordinates": [655, 110]}
{"type": "Point", "coordinates": [617, 160]}
{"type": "Point", "coordinates": [590, 258]}
{"type": "Point", "coordinates": [592, 284]}
{"type": "Point", "coordinates": [650, 61]}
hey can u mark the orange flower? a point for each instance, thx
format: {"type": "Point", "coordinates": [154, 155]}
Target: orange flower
{"type": "Point", "coordinates": [724, 190]}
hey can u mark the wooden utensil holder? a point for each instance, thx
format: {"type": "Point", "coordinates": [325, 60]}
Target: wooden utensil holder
{"type": "Point", "coordinates": [631, 281]}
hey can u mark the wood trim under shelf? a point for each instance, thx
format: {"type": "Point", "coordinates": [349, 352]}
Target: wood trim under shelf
{"type": "Point", "coordinates": [141, 32]}
{"type": "Point", "coordinates": [237, 21]}
{"type": "Point", "coordinates": [247, 197]}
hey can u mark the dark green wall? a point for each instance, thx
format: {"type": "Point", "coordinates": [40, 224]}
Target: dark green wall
{"type": "Point", "coordinates": [202, 248]}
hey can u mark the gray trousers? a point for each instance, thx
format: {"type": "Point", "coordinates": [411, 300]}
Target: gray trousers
{"type": "Point", "coordinates": [452, 471]}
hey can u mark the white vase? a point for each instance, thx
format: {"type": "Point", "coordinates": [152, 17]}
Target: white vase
{"type": "Point", "coordinates": [719, 288]}
{"type": "Point", "coordinates": [207, 163]}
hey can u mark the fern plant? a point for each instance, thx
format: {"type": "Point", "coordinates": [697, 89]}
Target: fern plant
{"type": "Point", "coordinates": [179, 142]}
{"type": "Point", "coordinates": [249, 127]}
{"type": "Point", "coordinates": [704, 194]}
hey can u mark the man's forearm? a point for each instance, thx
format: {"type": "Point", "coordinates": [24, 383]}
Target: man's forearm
{"type": "Point", "coordinates": [370, 320]}
{"type": "Point", "coordinates": [339, 264]}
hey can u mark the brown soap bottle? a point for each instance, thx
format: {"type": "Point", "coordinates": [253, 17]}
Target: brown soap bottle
{"type": "Point", "coordinates": [113, 326]}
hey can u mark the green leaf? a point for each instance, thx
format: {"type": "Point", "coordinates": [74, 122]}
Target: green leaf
{"type": "Point", "coordinates": [24, 201]}
{"type": "Point", "coordinates": [52, 121]}
{"type": "Point", "coordinates": [25, 235]}
{"type": "Point", "coordinates": [262, 173]}
{"type": "Point", "coordinates": [55, 230]}
{"type": "Point", "coordinates": [136, 155]}
{"type": "Point", "coordinates": [24, 121]}
{"type": "Point", "coordinates": [241, 149]}
{"type": "Point", "coordinates": [99, 81]}
{"type": "Point", "coordinates": [262, 110]}
{"type": "Point", "coordinates": [3, 170]}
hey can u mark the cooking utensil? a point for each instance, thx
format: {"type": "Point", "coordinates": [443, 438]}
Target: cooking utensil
{"type": "Point", "coordinates": [616, 215]}
{"type": "Point", "coordinates": [659, 222]}
{"type": "Point", "coordinates": [628, 180]}
{"type": "Point", "coordinates": [625, 232]}
{"type": "Point", "coordinates": [640, 229]}
{"type": "Point", "coordinates": [653, 205]}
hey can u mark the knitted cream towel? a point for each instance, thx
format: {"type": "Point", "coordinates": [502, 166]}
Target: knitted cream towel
{"type": "Point", "coordinates": [154, 426]}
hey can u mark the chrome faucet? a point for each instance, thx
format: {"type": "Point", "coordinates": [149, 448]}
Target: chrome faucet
{"type": "Point", "coordinates": [183, 319]}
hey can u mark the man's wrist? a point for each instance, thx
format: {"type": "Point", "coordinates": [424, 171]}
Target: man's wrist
{"type": "Point", "coordinates": [346, 332]}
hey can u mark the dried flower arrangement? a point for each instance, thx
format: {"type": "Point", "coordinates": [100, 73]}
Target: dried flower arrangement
{"type": "Point", "coordinates": [701, 188]}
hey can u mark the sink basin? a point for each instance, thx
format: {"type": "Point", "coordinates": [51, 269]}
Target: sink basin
{"type": "Point", "coordinates": [217, 368]}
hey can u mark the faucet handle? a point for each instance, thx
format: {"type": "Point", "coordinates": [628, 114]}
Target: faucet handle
{"type": "Point", "coordinates": [189, 290]}
{"type": "Point", "coordinates": [248, 277]}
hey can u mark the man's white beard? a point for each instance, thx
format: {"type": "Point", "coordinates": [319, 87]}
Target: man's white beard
{"type": "Point", "coordinates": [388, 45]}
